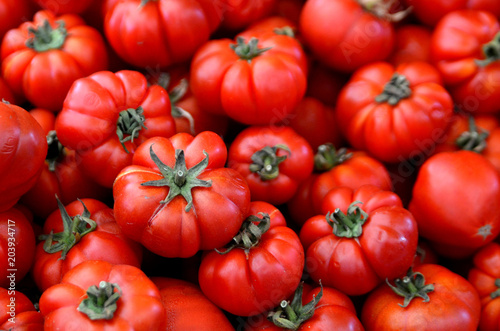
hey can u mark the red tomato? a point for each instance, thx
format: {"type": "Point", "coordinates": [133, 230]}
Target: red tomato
{"type": "Point", "coordinates": [325, 84]}
{"type": "Point", "coordinates": [97, 295]}
{"type": "Point", "coordinates": [394, 113]}
{"type": "Point", "coordinates": [273, 161]}
{"type": "Point", "coordinates": [45, 118]}
{"type": "Point", "coordinates": [59, 7]}
{"type": "Point", "coordinates": [413, 43]}
{"type": "Point", "coordinates": [13, 13]}
{"type": "Point", "coordinates": [29, 57]}
{"type": "Point", "coordinates": [187, 308]}
{"type": "Point", "coordinates": [178, 190]}
{"type": "Point", "coordinates": [23, 148]}
{"type": "Point", "coordinates": [357, 37]}
{"type": "Point", "coordinates": [332, 310]}
{"type": "Point", "coordinates": [83, 230]}
{"type": "Point", "coordinates": [17, 247]}
{"type": "Point", "coordinates": [289, 9]}
{"type": "Point", "coordinates": [362, 237]}
{"type": "Point", "coordinates": [460, 212]}
{"type": "Point", "coordinates": [261, 266]}
{"type": "Point", "coordinates": [6, 93]}
{"type": "Point", "coordinates": [435, 299]}
{"type": "Point", "coordinates": [107, 115]}
{"type": "Point", "coordinates": [239, 14]}
{"type": "Point", "coordinates": [159, 33]}
{"type": "Point", "coordinates": [17, 312]}
{"type": "Point", "coordinates": [263, 89]}
{"type": "Point", "coordinates": [463, 49]}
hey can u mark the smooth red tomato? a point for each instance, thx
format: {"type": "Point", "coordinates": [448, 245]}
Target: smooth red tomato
{"type": "Point", "coordinates": [97, 295]}
{"type": "Point", "coordinates": [239, 14]}
{"type": "Point", "coordinates": [17, 312]}
{"type": "Point", "coordinates": [23, 148]}
{"type": "Point", "coordinates": [179, 191]}
{"type": "Point", "coordinates": [43, 57]}
{"type": "Point", "coordinates": [13, 13]}
{"type": "Point", "coordinates": [429, 298]}
{"type": "Point", "coordinates": [413, 43]}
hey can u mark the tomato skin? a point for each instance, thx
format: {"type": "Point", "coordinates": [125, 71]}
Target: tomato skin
{"type": "Point", "coordinates": [359, 36]}
{"type": "Point", "coordinates": [240, 14]}
{"type": "Point", "coordinates": [458, 212]}
{"type": "Point", "coordinates": [356, 266]}
{"type": "Point", "coordinates": [334, 311]}
{"type": "Point", "coordinates": [472, 86]}
{"type": "Point", "coordinates": [106, 243]}
{"type": "Point", "coordinates": [17, 246]}
{"type": "Point", "coordinates": [140, 35]}
{"type": "Point", "coordinates": [24, 67]}
{"type": "Point", "coordinates": [138, 308]}
{"type": "Point", "coordinates": [297, 166]}
{"type": "Point", "coordinates": [188, 308]}
{"type": "Point", "coordinates": [66, 6]}
{"type": "Point", "coordinates": [22, 140]}
{"type": "Point", "coordinates": [17, 312]}
{"type": "Point", "coordinates": [219, 209]}
{"type": "Point", "coordinates": [381, 310]}
{"type": "Point", "coordinates": [88, 121]}
{"type": "Point", "coordinates": [247, 282]}
{"type": "Point", "coordinates": [394, 133]}
{"type": "Point", "coordinates": [413, 43]}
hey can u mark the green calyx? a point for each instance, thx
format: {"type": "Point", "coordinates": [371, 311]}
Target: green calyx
{"type": "Point", "coordinates": [327, 157]}
{"type": "Point", "coordinates": [491, 52]}
{"type": "Point", "coordinates": [101, 301]}
{"type": "Point", "coordinates": [382, 9]}
{"type": "Point", "coordinates": [130, 122]}
{"type": "Point", "coordinates": [410, 286]}
{"type": "Point", "coordinates": [250, 233]}
{"type": "Point", "coordinates": [285, 31]}
{"type": "Point", "coordinates": [179, 179]}
{"type": "Point", "coordinates": [290, 315]}
{"type": "Point", "coordinates": [350, 225]}
{"type": "Point", "coordinates": [74, 229]}
{"type": "Point", "coordinates": [495, 294]}
{"type": "Point", "coordinates": [474, 139]}
{"type": "Point", "coordinates": [46, 38]}
{"type": "Point", "coordinates": [395, 90]}
{"type": "Point", "coordinates": [248, 51]}
{"type": "Point", "coordinates": [266, 161]}
{"type": "Point", "coordinates": [55, 150]}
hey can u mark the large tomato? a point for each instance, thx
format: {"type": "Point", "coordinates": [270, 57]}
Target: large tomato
{"type": "Point", "coordinates": [159, 33]}
{"type": "Point", "coordinates": [17, 312]}
{"type": "Point", "coordinates": [177, 191]}
{"type": "Point", "coordinates": [273, 160]}
{"type": "Point", "coordinates": [394, 113]}
{"type": "Point", "coordinates": [260, 267]}
{"type": "Point", "coordinates": [23, 148]}
{"type": "Point", "coordinates": [464, 48]}
{"type": "Point", "coordinates": [454, 202]}
{"type": "Point", "coordinates": [83, 230]}
{"type": "Point", "coordinates": [43, 57]}
{"type": "Point", "coordinates": [429, 298]}
{"type": "Point", "coordinates": [362, 237]}
{"type": "Point", "coordinates": [97, 295]}
{"type": "Point", "coordinates": [107, 115]}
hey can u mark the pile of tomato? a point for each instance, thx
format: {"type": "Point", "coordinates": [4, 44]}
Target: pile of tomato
{"type": "Point", "coordinates": [250, 165]}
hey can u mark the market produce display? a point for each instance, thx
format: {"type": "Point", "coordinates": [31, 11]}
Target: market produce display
{"type": "Point", "coordinates": [250, 165]}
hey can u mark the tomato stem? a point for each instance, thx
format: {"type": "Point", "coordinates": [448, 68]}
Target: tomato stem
{"type": "Point", "coordinates": [382, 9]}
{"type": "Point", "coordinates": [101, 301]}
{"type": "Point", "coordinates": [350, 225]}
{"type": "Point", "coordinates": [266, 161]}
{"type": "Point", "coordinates": [491, 52]}
{"type": "Point", "coordinates": [250, 233]}
{"type": "Point", "coordinates": [55, 150]}
{"type": "Point", "coordinates": [496, 294]}
{"type": "Point", "coordinates": [395, 90]}
{"type": "Point", "coordinates": [46, 38]}
{"type": "Point", "coordinates": [474, 139]}
{"type": "Point", "coordinates": [130, 122]}
{"type": "Point", "coordinates": [248, 51]}
{"type": "Point", "coordinates": [285, 31]}
{"type": "Point", "coordinates": [410, 286]}
{"type": "Point", "coordinates": [327, 157]}
{"type": "Point", "coordinates": [179, 179]}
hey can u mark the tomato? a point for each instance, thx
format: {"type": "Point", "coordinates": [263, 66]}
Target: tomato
{"type": "Point", "coordinates": [413, 43]}
{"type": "Point", "coordinates": [187, 308]}
{"type": "Point", "coordinates": [311, 308]}
{"type": "Point", "coordinates": [358, 36]}
{"type": "Point", "coordinates": [239, 14]}
{"type": "Point", "coordinates": [97, 295]}
{"type": "Point", "coordinates": [6, 93]}
{"type": "Point", "coordinates": [83, 230]}
{"type": "Point", "coordinates": [49, 50]}
{"type": "Point", "coordinates": [484, 276]}
{"type": "Point", "coordinates": [260, 267]}
{"type": "Point", "coordinates": [17, 247]}
{"type": "Point", "coordinates": [159, 33]}
{"type": "Point", "coordinates": [23, 147]}
{"type": "Point", "coordinates": [45, 118]}
{"type": "Point", "coordinates": [65, 6]}
{"type": "Point", "coordinates": [463, 49]}
{"type": "Point", "coordinates": [289, 9]}
{"type": "Point", "coordinates": [362, 237]}
{"type": "Point", "coordinates": [273, 161]}
{"type": "Point", "coordinates": [13, 13]}
{"type": "Point", "coordinates": [178, 190]}
{"type": "Point", "coordinates": [435, 298]}
{"type": "Point", "coordinates": [460, 212]}
{"type": "Point", "coordinates": [324, 83]}
{"type": "Point", "coordinates": [394, 113]}
{"type": "Point", "coordinates": [253, 81]}
{"type": "Point", "coordinates": [107, 115]}
{"type": "Point", "coordinates": [17, 312]}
